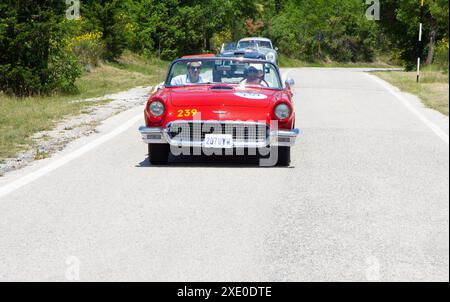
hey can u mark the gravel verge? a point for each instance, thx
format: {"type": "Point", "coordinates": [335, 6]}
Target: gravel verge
{"type": "Point", "coordinates": [45, 143]}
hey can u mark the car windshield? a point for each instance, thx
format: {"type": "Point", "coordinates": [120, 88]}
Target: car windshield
{"type": "Point", "coordinates": [265, 44]}
{"type": "Point", "coordinates": [228, 46]}
{"type": "Point", "coordinates": [247, 44]}
{"type": "Point", "coordinates": [238, 72]}
{"type": "Point", "coordinates": [252, 44]}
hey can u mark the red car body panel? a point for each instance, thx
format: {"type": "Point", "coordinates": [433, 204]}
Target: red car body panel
{"type": "Point", "coordinates": [221, 105]}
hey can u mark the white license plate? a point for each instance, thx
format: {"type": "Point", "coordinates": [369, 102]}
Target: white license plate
{"type": "Point", "coordinates": [218, 141]}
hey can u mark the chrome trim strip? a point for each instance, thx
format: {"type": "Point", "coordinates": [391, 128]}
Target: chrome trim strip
{"type": "Point", "coordinates": [145, 131]}
{"type": "Point", "coordinates": [215, 121]}
{"type": "Point", "coordinates": [272, 139]}
{"type": "Point", "coordinates": [291, 135]}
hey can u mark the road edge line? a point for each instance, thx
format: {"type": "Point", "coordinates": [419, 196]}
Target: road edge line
{"type": "Point", "coordinates": [390, 88]}
{"type": "Point", "coordinates": [18, 183]}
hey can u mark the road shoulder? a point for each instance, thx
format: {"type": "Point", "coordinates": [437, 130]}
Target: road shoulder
{"type": "Point", "coordinates": [75, 127]}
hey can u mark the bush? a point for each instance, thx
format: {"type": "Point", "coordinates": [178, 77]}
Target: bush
{"type": "Point", "coordinates": [63, 70]}
{"type": "Point", "coordinates": [347, 35]}
{"type": "Point", "coordinates": [19, 80]}
{"type": "Point", "coordinates": [110, 17]}
{"type": "Point", "coordinates": [219, 38]}
{"type": "Point", "coordinates": [88, 49]}
{"type": "Point", "coordinates": [33, 56]}
{"type": "Point", "coordinates": [441, 55]}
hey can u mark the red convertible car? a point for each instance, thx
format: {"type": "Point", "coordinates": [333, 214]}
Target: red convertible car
{"type": "Point", "coordinates": [221, 106]}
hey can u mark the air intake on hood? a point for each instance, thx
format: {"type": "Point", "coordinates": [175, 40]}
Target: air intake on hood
{"type": "Point", "coordinates": [221, 87]}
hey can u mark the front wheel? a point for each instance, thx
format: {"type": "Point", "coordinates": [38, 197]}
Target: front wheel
{"type": "Point", "coordinates": [158, 154]}
{"type": "Point", "coordinates": [284, 156]}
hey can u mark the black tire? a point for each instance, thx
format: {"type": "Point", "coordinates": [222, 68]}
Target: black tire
{"type": "Point", "coordinates": [284, 156]}
{"type": "Point", "coordinates": [158, 154]}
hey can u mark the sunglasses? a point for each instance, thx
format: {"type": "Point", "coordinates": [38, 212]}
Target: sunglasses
{"type": "Point", "coordinates": [194, 68]}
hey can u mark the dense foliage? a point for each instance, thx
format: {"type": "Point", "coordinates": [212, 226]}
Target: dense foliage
{"type": "Point", "coordinates": [399, 21]}
{"type": "Point", "coordinates": [33, 58]}
{"type": "Point", "coordinates": [41, 51]}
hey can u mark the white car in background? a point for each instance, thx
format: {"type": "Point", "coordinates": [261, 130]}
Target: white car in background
{"type": "Point", "coordinates": [251, 48]}
{"type": "Point", "coordinates": [264, 47]}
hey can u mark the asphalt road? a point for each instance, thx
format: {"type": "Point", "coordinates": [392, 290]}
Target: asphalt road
{"type": "Point", "coordinates": [366, 198]}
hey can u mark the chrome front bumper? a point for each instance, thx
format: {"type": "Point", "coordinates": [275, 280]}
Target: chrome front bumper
{"type": "Point", "coordinates": [276, 138]}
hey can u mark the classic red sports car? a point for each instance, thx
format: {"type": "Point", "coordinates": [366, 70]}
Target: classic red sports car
{"type": "Point", "coordinates": [221, 106]}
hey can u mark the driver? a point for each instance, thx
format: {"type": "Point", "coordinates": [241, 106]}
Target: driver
{"type": "Point", "coordinates": [192, 77]}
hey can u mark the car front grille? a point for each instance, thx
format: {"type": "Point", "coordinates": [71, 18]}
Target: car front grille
{"type": "Point", "coordinates": [196, 131]}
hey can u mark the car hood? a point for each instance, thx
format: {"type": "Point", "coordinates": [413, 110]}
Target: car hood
{"type": "Point", "coordinates": [236, 104]}
{"type": "Point", "coordinates": [266, 50]}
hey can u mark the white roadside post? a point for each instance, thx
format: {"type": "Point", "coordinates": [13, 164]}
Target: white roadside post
{"type": "Point", "coordinates": [419, 48]}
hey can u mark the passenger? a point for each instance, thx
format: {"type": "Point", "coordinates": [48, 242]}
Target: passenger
{"type": "Point", "coordinates": [254, 77]}
{"type": "Point", "coordinates": [192, 77]}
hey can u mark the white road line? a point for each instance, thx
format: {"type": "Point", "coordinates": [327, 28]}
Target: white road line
{"type": "Point", "coordinates": [438, 131]}
{"type": "Point", "coordinates": [6, 189]}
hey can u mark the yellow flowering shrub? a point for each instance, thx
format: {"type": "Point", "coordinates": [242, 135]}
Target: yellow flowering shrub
{"type": "Point", "coordinates": [88, 48]}
{"type": "Point", "coordinates": [441, 54]}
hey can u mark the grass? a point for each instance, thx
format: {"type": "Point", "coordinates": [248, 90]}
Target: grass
{"type": "Point", "coordinates": [433, 88]}
{"type": "Point", "coordinates": [287, 62]}
{"type": "Point", "coordinates": [153, 67]}
{"type": "Point", "coordinates": [20, 118]}
{"type": "Point", "coordinates": [41, 155]}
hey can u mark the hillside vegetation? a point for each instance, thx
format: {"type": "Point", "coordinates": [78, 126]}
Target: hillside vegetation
{"type": "Point", "coordinates": [46, 45]}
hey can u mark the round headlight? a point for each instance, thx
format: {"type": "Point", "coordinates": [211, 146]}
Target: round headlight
{"type": "Point", "coordinates": [271, 57]}
{"type": "Point", "coordinates": [156, 108]}
{"type": "Point", "coordinates": [282, 111]}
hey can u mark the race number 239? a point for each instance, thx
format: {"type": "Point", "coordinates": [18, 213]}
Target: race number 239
{"type": "Point", "coordinates": [187, 112]}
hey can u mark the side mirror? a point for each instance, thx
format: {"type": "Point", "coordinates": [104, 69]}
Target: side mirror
{"type": "Point", "coordinates": [158, 87]}
{"type": "Point", "coordinates": [289, 83]}
{"type": "Point", "coordinates": [276, 48]}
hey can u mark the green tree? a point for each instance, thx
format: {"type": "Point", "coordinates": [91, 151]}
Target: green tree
{"type": "Point", "coordinates": [347, 34]}
{"type": "Point", "coordinates": [400, 22]}
{"type": "Point", "coordinates": [32, 43]}
{"type": "Point", "coordinates": [439, 26]}
{"type": "Point", "coordinates": [111, 18]}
